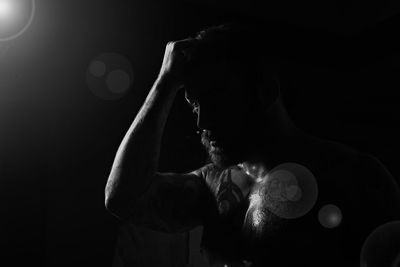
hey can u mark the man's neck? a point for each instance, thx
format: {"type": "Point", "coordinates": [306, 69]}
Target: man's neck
{"type": "Point", "coordinates": [280, 124]}
{"type": "Point", "coordinates": [276, 137]}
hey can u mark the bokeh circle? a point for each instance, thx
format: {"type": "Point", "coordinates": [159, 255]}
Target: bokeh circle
{"type": "Point", "coordinates": [382, 246]}
{"type": "Point", "coordinates": [97, 68]}
{"type": "Point", "coordinates": [110, 76]}
{"type": "Point", "coordinates": [330, 216]}
{"type": "Point", "coordinates": [291, 190]}
{"type": "Point", "coordinates": [118, 81]}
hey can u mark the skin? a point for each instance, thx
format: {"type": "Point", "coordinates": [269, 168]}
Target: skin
{"type": "Point", "coordinates": [249, 128]}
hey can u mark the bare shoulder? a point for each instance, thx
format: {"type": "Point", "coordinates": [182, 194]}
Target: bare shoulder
{"type": "Point", "coordinates": [202, 171]}
{"type": "Point", "coordinates": [362, 177]}
{"type": "Point", "coordinates": [378, 185]}
{"type": "Point", "coordinates": [360, 183]}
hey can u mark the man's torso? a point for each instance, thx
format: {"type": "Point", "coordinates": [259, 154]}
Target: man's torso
{"type": "Point", "coordinates": [244, 224]}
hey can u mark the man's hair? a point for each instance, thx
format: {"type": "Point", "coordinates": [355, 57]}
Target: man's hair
{"type": "Point", "coordinates": [242, 45]}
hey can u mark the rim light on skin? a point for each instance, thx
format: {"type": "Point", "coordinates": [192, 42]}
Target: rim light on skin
{"type": "Point", "coordinates": [14, 36]}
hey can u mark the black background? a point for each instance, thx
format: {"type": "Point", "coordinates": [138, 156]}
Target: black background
{"type": "Point", "coordinates": [58, 140]}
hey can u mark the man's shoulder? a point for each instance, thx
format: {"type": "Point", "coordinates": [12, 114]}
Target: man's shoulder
{"type": "Point", "coordinates": [376, 179]}
{"type": "Point", "coordinates": [352, 164]}
{"type": "Point", "coordinates": [360, 184]}
{"type": "Point", "coordinates": [375, 192]}
{"type": "Point", "coordinates": [208, 174]}
{"type": "Point", "coordinates": [203, 170]}
{"type": "Point", "coordinates": [340, 156]}
{"type": "Point", "coordinates": [343, 153]}
{"type": "Point", "coordinates": [361, 171]}
{"type": "Point", "coordinates": [335, 153]}
{"type": "Point", "coordinates": [367, 180]}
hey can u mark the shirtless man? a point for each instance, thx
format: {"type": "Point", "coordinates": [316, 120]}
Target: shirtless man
{"type": "Point", "coordinates": [229, 78]}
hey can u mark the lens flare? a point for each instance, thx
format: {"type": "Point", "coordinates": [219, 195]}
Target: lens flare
{"type": "Point", "coordinates": [15, 17]}
{"type": "Point", "coordinates": [330, 216]}
{"type": "Point", "coordinates": [6, 9]}
{"type": "Point", "coordinates": [97, 68]}
{"type": "Point", "coordinates": [109, 76]}
{"type": "Point", "coordinates": [291, 190]}
{"type": "Point", "coordinates": [382, 247]}
{"type": "Point", "coordinates": [118, 81]}
{"type": "Point", "coordinates": [396, 261]}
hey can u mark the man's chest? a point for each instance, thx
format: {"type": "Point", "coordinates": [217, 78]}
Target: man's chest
{"type": "Point", "coordinates": [230, 188]}
{"type": "Point", "coordinates": [275, 199]}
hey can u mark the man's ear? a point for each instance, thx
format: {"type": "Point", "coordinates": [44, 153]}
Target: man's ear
{"type": "Point", "coordinates": [268, 90]}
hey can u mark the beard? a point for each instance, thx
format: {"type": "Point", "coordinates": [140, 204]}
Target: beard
{"type": "Point", "coordinates": [226, 151]}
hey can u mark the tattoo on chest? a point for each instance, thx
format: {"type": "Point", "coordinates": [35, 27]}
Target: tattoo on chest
{"type": "Point", "coordinates": [229, 195]}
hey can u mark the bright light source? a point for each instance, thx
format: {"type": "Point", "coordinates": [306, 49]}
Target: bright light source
{"type": "Point", "coordinates": [15, 17]}
{"type": "Point", "coordinates": [6, 9]}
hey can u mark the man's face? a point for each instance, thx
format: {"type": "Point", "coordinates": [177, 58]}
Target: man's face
{"type": "Point", "coordinates": [225, 111]}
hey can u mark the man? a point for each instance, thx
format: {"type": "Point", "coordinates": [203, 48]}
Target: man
{"type": "Point", "coordinates": [230, 78]}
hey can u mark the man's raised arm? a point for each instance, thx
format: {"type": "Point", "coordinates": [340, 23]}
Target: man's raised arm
{"type": "Point", "coordinates": [136, 162]}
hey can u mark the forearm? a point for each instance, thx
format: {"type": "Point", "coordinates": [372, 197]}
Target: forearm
{"type": "Point", "coordinates": [136, 160]}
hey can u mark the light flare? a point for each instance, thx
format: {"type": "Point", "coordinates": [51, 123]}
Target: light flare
{"type": "Point", "coordinates": [15, 17]}
{"type": "Point", "coordinates": [6, 9]}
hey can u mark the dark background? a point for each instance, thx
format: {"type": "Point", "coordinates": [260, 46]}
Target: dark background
{"type": "Point", "coordinates": [58, 140]}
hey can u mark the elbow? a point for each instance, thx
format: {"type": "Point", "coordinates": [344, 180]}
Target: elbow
{"type": "Point", "coordinates": [110, 197]}
{"type": "Point", "coordinates": [116, 207]}
{"type": "Point", "coordinates": [110, 203]}
{"type": "Point", "coordinates": [120, 199]}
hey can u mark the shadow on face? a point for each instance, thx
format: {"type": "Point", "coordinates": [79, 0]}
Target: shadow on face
{"type": "Point", "coordinates": [226, 110]}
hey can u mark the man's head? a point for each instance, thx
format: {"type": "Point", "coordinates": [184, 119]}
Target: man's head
{"type": "Point", "coordinates": [230, 80]}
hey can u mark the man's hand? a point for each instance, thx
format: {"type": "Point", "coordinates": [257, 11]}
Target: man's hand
{"type": "Point", "coordinates": [173, 65]}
